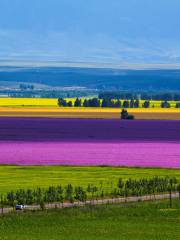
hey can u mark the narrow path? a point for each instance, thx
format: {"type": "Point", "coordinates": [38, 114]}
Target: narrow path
{"type": "Point", "coordinates": [96, 202]}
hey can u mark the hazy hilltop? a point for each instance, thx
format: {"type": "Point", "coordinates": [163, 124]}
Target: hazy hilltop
{"type": "Point", "coordinates": [94, 78]}
{"type": "Point", "coordinates": [96, 38]}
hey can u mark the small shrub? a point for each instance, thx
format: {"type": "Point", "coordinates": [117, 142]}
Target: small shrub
{"type": "Point", "coordinates": [126, 116]}
{"type": "Point", "coordinates": [130, 117]}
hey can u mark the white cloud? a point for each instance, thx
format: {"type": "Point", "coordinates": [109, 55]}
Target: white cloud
{"type": "Point", "coordinates": [65, 46]}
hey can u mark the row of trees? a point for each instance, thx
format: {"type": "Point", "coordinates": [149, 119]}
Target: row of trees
{"type": "Point", "coordinates": [26, 87]}
{"type": "Point", "coordinates": [59, 194]}
{"type": "Point", "coordinates": [95, 102]}
{"type": "Point", "coordinates": [164, 96]}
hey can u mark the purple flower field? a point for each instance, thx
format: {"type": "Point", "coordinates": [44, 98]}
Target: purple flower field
{"type": "Point", "coordinates": [43, 141]}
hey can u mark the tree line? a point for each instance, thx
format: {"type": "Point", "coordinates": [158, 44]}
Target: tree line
{"type": "Point", "coordinates": [110, 103]}
{"type": "Point", "coordinates": [60, 194]}
{"type": "Point", "coordinates": [164, 96]}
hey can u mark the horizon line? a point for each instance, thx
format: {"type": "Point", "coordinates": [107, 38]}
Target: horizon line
{"type": "Point", "coordinates": [78, 64]}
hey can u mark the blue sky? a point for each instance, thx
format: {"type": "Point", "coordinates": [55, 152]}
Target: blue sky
{"type": "Point", "coordinates": [107, 31]}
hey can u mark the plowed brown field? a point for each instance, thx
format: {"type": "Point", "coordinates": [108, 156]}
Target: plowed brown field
{"type": "Point", "coordinates": [109, 113]}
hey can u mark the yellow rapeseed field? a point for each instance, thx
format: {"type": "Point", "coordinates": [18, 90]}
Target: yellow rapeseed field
{"type": "Point", "coordinates": [49, 102]}
{"type": "Point", "coordinates": [42, 107]}
{"type": "Point", "coordinates": [28, 102]}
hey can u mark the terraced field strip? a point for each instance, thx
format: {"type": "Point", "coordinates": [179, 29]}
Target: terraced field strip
{"type": "Point", "coordinates": [16, 177]}
{"type": "Point", "coordinates": [22, 102]}
{"type": "Point", "coordinates": [89, 142]}
{"type": "Point", "coordinates": [109, 113]}
{"type": "Point", "coordinates": [53, 102]}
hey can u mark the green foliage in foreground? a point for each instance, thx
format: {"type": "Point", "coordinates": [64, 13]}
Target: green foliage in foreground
{"type": "Point", "coordinates": [60, 194]}
{"type": "Point", "coordinates": [16, 177]}
{"type": "Point", "coordinates": [136, 221]}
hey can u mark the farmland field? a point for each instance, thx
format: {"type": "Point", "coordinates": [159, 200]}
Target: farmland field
{"type": "Point", "coordinates": [16, 177]}
{"type": "Point", "coordinates": [28, 102]}
{"type": "Point", "coordinates": [42, 107]}
{"type": "Point", "coordinates": [53, 102]}
{"type": "Point", "coordinates": [89, 142]}
{"type": "Point", "coordinates": [108, 113]}
{"type": "Point", "coordinates": [113, 222]}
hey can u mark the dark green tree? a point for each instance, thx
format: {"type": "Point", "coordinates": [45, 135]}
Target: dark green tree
{"type": "Point", "coordinates": [29, 197]}
{"type": "Point", "coordinates": [178, 105]}
{"type": "Point", "coordinates": [146, 104]}
{"type": "Point", "coordinates": [69, 104]}
{"type": "Point", "coordinates": [62, 102]}
{"type": "Point", "coordinates": [69, 193]}
{"type": "Point", "coordinates": [60, 195]}
{"type": "Point", "coordinates": [2, 203]}
{"type": "Point", "coordinates": [80, 194]}
{"type": "Point", "coordinates": [165, 104]}
{"type": "Point", "coordinates": [137, 104]}
{"type": "Point", "coordinates": [132, 103]}
{"type": "Point", "coordinates": [86, 103]}
{"type": "Point", "coordinates": [126, 104]}
{"type": "Point", "coordinates": [117, 104]}
{"type": "Point", "coordinates": [11, 198]}
{"type": "Point", "coordinates": [77, 102]}
{"type": "Point", "coordinates": [94, 102]}
{"type": "Point", "coordinates": [105, 103]}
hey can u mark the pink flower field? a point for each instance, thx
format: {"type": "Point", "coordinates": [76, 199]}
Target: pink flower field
{"type": "Point", "coordinates": [90, 142]}
{"type": "Point", "coordinates": [92, 154]}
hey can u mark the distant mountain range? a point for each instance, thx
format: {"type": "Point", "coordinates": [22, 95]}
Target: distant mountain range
{"type": "Point", "coordinates": [101, 79]}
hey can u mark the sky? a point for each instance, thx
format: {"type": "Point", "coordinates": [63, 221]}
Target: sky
{"type": "Point", "coordinates": [98, 31]}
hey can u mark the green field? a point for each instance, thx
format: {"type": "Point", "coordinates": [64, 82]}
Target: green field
{"type": "Point", "coordinates": [135, 221]}
{"type": "Point", "coordinates": [15, 177]}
